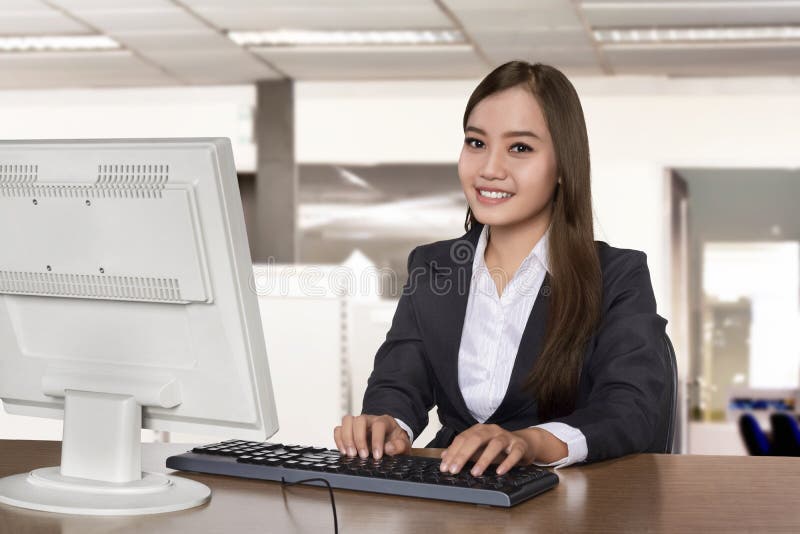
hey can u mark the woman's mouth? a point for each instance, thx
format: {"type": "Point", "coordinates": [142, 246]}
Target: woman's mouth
{"type": "Point", "coordinates": [491, 197]}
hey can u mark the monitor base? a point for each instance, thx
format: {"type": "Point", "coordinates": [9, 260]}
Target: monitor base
{"type": "Point", "coordinates": [48, 490]}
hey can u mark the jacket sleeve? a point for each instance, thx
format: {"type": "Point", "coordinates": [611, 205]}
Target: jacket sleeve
{"type": "Point", "coordinates": [400, 384]}
{"type": "Point", "coordinates": [626, 372]}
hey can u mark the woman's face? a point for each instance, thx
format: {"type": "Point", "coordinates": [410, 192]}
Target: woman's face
{"type": "Point", "coordinates": [509, 156]}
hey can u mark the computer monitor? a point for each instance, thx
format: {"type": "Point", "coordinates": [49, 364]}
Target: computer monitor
{"type": "Point", "coordinates": [126, 302]}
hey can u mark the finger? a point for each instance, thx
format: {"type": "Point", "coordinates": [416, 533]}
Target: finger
{"type": "Point", "coordinates": [378, 431]}
{"type": "Point", "coordinates": [398, 442]}
{"type": "Point", "coordinates": [360, 435]}
{"type": "Point", "coordinates": [490, 453]}
{"type": "Point", "coordinates": [337, 437]}
{"type": "Point", "coordinates": [457, 460]}
{"type": "Point", "coordinates": [514, 456]}
{"type": "Point", "coordinates": [449, 452]}
{"type": "Point", "coordinates": [347, 435]}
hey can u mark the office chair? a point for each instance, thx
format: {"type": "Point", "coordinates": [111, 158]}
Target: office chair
{"type": "Point", "coordinates": [664, 441]}
{"type": "Point", "coordinates": [785, 434]}
{"type": "Point", "coordinates": [755, 439]}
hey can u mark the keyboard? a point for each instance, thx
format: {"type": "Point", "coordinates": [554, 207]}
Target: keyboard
{"type": "Point", "coordinates": [410, 476]}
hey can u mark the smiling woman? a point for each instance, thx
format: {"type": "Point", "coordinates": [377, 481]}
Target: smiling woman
{"type": "Point", "coordinates": [536, 342]}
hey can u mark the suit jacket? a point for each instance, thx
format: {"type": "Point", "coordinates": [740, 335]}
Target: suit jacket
{"type": "Point", "coordinates": [621, 382]}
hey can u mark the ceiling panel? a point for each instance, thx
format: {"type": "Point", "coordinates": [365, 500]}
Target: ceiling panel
{"type": "Point", "coordinates": [168, 18]}
{"type": "Point", "coordinates": [621, 14]}
{"type": "Point", "coordinates": [111, 5]}
{"type": "Point", "coordinates": [213, 67]}
{"type": "Point", "coordinates": [366, 16]}
{"type": "Point", "coordinates": [509, 19]}
{"type": "Point", "coordinates": [70, 69]}
{"type": "Point", "coordinates": [305, 4]}
{"type": "Point", "coordinates": [24, 6]}
{"type": "Point", "coordinates": [706, 60]}
{"type": "Point", "coordinates": [384, 62]}
{"type": "Point", "coordinates": [510, 5]}
{"type": "Point", "coordinates": [39, 23]}
{"type": "Point", "coordinates": [568, 37]}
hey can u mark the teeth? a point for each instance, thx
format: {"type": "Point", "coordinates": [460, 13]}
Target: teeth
{"type": "Point", "coordinates": [493, 194]}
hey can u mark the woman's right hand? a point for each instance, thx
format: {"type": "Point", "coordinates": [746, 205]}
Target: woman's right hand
{"type": "Point", "coordinates": [357, 434]}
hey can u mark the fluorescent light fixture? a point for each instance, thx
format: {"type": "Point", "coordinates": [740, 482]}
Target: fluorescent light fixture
{"type": "Point", "coordinates": [58, 43]}
{"type": "Point", "coordinates": [312, 37]}
{"type": "Point", "coordinates": [667, 35]}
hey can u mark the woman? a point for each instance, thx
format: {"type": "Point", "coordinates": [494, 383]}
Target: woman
{"type": "Point", "coordinates": [537, 343]}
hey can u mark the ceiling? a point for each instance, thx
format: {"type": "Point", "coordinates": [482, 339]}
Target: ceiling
{"type": "Point", "coordinates": [184, 42]}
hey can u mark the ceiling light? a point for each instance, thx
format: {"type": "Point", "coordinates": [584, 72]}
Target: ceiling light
{"type": "Point", "coordinates": [663, 35]}
{"type": "Point", "coordinates": [58, 43]}
{"type": "Point", "coordinates": [309, 37]}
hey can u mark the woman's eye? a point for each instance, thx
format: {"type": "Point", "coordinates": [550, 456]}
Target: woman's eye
{"type": "Point", "coordinates": [474, 143]}
{"type": "Point", "coordinates": [522, 146]}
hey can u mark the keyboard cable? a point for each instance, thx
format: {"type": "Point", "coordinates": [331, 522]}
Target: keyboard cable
{"type": "Point", "coordinates": [330, 490]}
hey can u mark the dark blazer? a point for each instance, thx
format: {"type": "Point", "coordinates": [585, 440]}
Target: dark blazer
{"type": "Point", "coordinates": [622, 378]}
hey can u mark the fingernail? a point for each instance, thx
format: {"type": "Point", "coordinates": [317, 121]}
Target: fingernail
{"type": "Point", "coordinates": [351, 451]}
{"type": "Point", "coordinates": [454, 469]}
{"type": "Point", "coordinates": [377, 453]}
{"type": "Point", "coordinates": [363, 453]}
{"type": "Point", "coordinates": [475, 472]}
{"type": "Point", "coordinates": [443, 467]}
{"type": "Point", "coordinates": [341, 451]}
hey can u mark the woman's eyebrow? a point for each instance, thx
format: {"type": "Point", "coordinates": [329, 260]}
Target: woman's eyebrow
{"type": "Point", "coordinates": [514, 133]}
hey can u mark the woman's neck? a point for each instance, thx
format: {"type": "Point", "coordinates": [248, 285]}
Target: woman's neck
{"type": "Point", "coordinates": [508, 245]}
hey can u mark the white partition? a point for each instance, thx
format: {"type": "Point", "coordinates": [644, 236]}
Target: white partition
{"type": "Point", "coordinates": [304, 346]}
{"type": "Point", "coordinates": [367, 325]}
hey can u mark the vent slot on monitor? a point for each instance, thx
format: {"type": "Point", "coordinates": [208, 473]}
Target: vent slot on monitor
{"type": "Point", "coordinates": [91, 286]}
{"type": "Point", "coordinates": [18, 174]}
{"type": "Point", "coordinates": [111, 181]}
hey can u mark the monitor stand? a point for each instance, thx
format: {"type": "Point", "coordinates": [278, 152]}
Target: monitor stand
{"type": "Point", "coordinates": [100, 471]}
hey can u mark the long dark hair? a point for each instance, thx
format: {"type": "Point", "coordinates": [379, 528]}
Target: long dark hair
{"type": "Point", "coordinates": [575, 277]}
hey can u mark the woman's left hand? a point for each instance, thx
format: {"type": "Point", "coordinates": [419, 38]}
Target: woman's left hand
{"type": "Point", "coordinates": [495, 441]}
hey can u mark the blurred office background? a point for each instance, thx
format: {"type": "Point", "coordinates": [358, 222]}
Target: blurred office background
{"type": "Point", "coordinates": [345, 117]}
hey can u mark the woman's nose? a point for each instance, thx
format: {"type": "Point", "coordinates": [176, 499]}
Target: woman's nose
{"type": "Point", "coordinates": [494, 166]}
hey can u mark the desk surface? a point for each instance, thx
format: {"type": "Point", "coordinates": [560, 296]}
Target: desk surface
{"type": "Point", "coordinates": [646, 492]}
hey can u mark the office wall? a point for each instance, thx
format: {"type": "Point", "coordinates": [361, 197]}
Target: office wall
{"type": "Point", "coordinates": [141, 112]}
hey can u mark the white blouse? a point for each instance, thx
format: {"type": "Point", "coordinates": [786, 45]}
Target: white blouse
{"type": "Point", "coordinates": [490, 339]}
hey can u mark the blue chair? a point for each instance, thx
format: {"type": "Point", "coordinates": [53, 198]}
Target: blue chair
{"type": "Point", "coordinates": [754, 438]}
{"type": "Point", "coordinates": [785, 434]}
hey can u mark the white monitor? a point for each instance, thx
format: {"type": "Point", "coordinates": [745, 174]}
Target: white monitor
{"type": "Point", "coordinates": [126, 302]}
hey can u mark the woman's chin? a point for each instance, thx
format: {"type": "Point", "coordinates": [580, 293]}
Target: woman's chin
{"type": "Point", "coordinates": [492, 217]}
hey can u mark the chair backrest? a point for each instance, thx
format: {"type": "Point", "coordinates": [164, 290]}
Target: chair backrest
{"type": "Point", "coordinates": [754, 438]}
{"type": "Point", "coordinates": [785, 434]}
{"type": "Point", "coordinates": [664, 441]}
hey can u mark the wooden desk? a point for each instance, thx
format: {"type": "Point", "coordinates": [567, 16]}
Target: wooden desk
{"type": "Point", "coordinates": [646, 492]}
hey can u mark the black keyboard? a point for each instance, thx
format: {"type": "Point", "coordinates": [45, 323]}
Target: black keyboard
{"type": "Point", "coordinates": [411, 476]}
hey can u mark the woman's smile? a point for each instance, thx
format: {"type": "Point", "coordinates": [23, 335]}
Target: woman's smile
{"type": "Point", "coordinates": [491, 196]}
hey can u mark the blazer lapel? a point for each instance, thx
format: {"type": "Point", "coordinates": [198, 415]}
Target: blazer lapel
{"type": "Point", "coordinates": [451, 273]}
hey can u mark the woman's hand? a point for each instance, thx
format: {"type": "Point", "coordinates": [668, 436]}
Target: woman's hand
{"type": "Point", "coordinates": [496, 443]}
{"type": "Point", "coordinates": [358, 433]}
